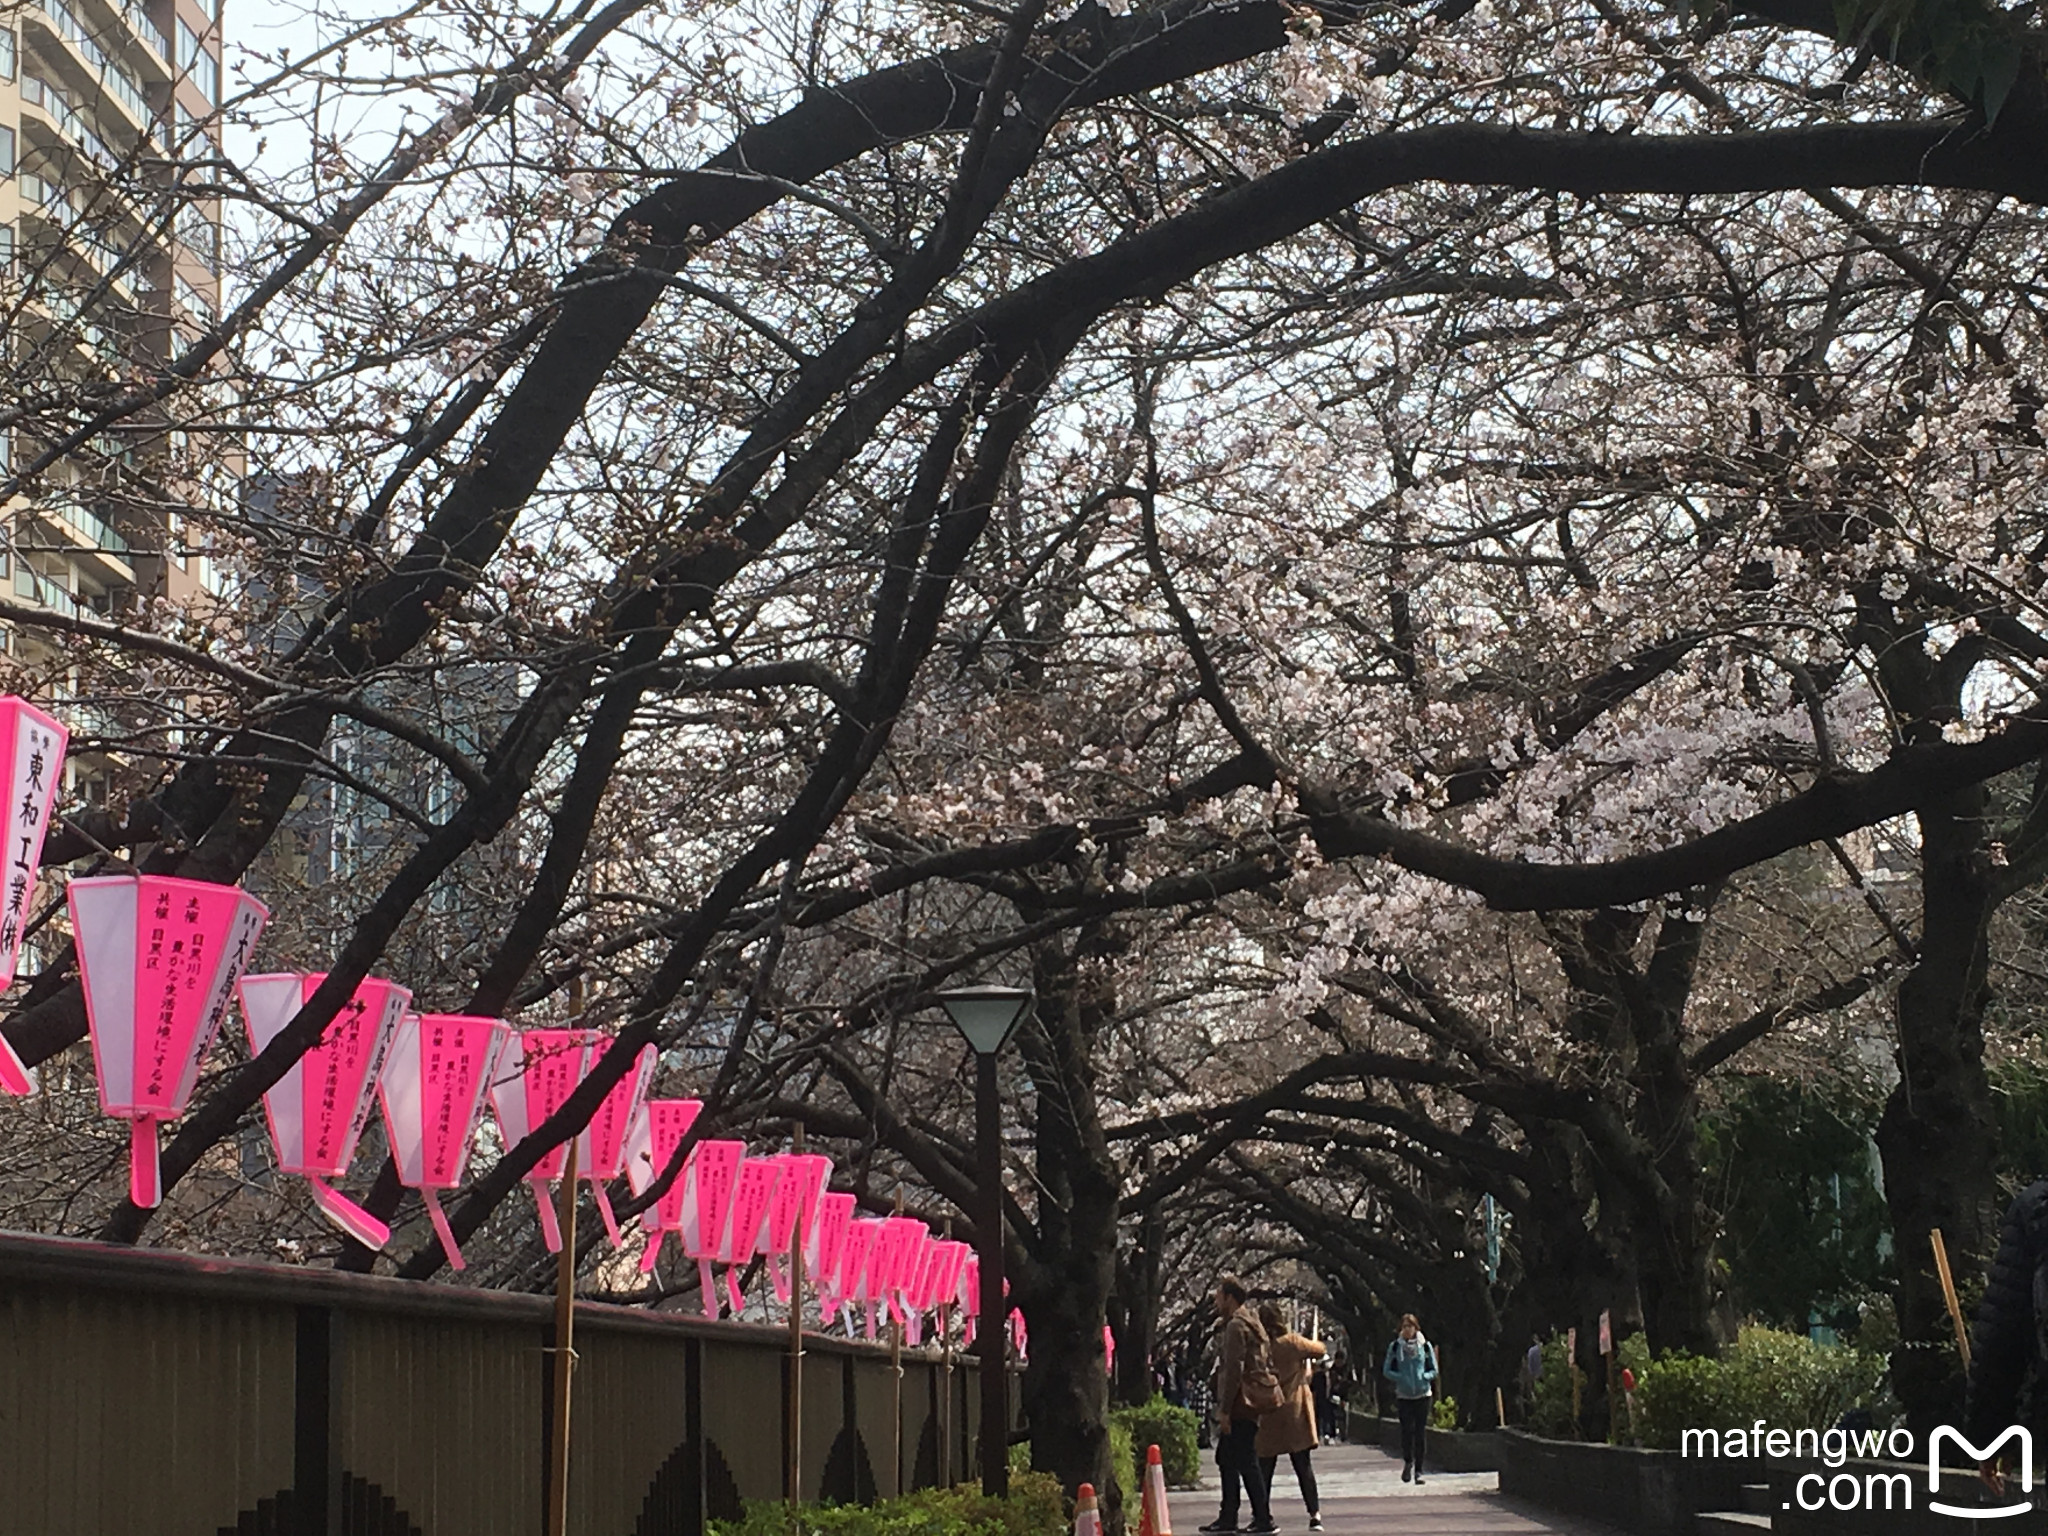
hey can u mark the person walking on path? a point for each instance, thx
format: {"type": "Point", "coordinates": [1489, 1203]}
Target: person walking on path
{"type": "Point", "coordinates": [1246, 1387]}
{"type": "Point", "coordinates": [1290, 1429]}
{"type": "Point", "coordinates": [1411, 1367]}
{"type": "Point", "coordinates": [1325, 1404]}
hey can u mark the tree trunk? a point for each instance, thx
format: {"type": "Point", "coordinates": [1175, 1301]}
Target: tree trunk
{"type": "Point", "coordinates": [1064, 1284]}
{"type": "Point", "coordinates": [1936, 1136]}
{"type": "Point", "coordinates": [1140, 1291]}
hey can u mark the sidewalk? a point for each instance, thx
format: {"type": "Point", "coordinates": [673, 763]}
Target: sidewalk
{"type": "Point", "coordinates": [1363, 1495]}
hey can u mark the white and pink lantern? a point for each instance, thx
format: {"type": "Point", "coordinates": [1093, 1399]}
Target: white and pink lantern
{"type": "Point", "coordinates": [793, 1214]}
{"type": "Point", "coordinates": [896, 1265]}
{"type": "Point", "coordinates": [651, 1142]}
{"type": "Point", "coordinates": [540, 1072]}
{"type": "Point", "coordinates": [317, 1110]}
{"type": "Point", "coordinates": [32, 754]}
{"type": "Point", "coordinates": [746, 1222]}
{"type": "Point", "coordinates": [159, 959]}
{"type": "Point", "coordinates": [856, 1260]}
{"type": "Point", "coordinates": [432, 1091]}
{"type": "Point", "coordinates": [601, 1148]}
{"type": "Point", "coordinates": [708, 1181]}
{"type": "Point", "coordinates": [827, 1246]}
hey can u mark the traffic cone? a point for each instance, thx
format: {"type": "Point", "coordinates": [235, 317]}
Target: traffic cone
{"type": "Point", "coordinates": [1087, 1518]}
{"type": "Point", "coordinates": [1158, 1520]}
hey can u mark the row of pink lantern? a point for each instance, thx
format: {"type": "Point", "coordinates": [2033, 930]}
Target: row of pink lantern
{"type": "Point", "coordinates": [160, 958]}
{"type": "Point", "coordinates": [729, 1208]}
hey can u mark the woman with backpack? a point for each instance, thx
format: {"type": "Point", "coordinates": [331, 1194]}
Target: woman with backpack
{"type": "Point", "coordinates": [1290, 1429]}
{"type": "Point", "coordinates": [1411, 1367]}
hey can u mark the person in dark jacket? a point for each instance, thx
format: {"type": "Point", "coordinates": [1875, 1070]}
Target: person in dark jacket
{"type": "Point", "coordinates": [2007, 1358]}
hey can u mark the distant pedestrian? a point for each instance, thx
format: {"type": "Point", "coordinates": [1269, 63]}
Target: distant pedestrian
{"type": "Point", "coordinates": [1290, 1429]}
{"type": "Point", "coordinates": [1325, 1402]}
{"type": "Point", "coordinates": [1246, 1387]}
{"type": "Point", "coordinates": [1340, 1395]}
{"type": "Point", "coordinates": [1411, 1367]}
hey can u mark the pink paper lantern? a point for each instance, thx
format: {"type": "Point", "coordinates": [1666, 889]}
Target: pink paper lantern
{"type": "Point", "coordinates": [828, 1246]}
{"type": "Point", "coordinates": [432, 1091]}
{"type": "Point", "coordinates": [856, 1260]}
{"type": "Point", "coordinates": [793, 1214]}
{"type": "Point", "coordinates": [708, 1181]}
{"type": "Point", "coordinates": [318, 1109]}
{"type": "Point", "coordinates": [159, 959]}
{"type": "Point", "coordinates": [601, 1148]}
{"type": "Point", "coordinates": [657, 1130]}
{"type": "Point", "coordinates": [32, 755]}
{"type": "Point", "coordinates": [549, 1065]}
{"type": "Point", "coordinates": [746, 1221]}
{"type": "Point", "coordinates": [896, 1265]}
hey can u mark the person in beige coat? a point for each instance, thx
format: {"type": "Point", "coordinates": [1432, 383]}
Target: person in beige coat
{"type": "Point", "coordinates": [1290, 1430]}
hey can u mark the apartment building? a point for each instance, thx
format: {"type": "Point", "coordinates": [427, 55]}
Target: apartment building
{"type": "Point", "coordinates": [108, 262]}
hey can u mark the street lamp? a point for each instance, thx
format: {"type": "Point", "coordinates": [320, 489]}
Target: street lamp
{"type": "Point", "coordinates": [986, 1018]}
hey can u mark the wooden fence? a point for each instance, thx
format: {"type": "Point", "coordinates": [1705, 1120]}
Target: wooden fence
{"type": "Point", "coordinates": [159, 1394]}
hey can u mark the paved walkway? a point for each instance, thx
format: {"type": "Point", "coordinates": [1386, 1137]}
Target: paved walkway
{"type": "Point", "coordinates": [1363, 1495]}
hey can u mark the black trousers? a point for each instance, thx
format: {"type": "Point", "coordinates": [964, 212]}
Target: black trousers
{"type": "Point", "coordinates": [1238, 1457]}
{"type": "Point", "coordinates": [1414, 1420]}
{"type": "Point", "coordinates": [1304, 1477]}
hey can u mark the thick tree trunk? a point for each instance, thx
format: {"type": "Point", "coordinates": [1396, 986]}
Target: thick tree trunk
{"type": "Point", "coordinates": [1065, 1282]}
{"type": "Point", "coordinates": [1936, 1136]}
{"type": "Point", "coordinates": [1140, 1291]}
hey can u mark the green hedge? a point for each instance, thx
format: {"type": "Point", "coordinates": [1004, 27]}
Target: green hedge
{"type": "Point", "coordinates": [1034, 1508]}
{"type": "Point", "coordinates": [1131, 1431]}
{"type": "Point", "coordinates": [1785, 1379]}
{"type": "Point", "coordinates": [1173, 1430]}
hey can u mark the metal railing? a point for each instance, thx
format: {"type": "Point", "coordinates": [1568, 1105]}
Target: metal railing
{"type": "Point", "coordinates": [97, 530]}
{"type": "Point", "coordinates": [147, 30]}
{"type": "Point", "coordinates": [38, 588]}
{"type": "Point", "coordinates": [52, 100]}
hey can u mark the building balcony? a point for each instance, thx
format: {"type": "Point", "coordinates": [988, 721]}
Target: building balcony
{"type": "Point", "coordinates": [87, 537]}
{"type": "Point", "coordinates": [33, 587]}
{"type": "Point", "coordinates": [58, 32]}
{"type": "Point", "coordinates": [47, 108]}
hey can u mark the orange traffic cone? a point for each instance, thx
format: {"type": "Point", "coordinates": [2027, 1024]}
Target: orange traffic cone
{"type": "Point", "coordinates": [1087, 1517]}
{"type": "Point", "coordinates": [1158, 1520]}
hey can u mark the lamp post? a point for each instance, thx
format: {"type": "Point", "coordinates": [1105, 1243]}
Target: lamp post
{"type": "Point", "coordinates": [986, 1018]}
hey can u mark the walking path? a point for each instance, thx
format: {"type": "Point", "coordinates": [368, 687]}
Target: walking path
{"type": "Point", "coordinates": [1363, 1495]}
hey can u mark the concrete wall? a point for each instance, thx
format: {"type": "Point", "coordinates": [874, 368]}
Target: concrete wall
{"type": "Point", "coordinates": [160, 1394]}
{"type": "Point", "coordinates": [1651, 1493]}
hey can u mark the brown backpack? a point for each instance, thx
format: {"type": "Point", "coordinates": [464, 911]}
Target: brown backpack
{"type": "Point", "coordinates": [1258, 1388]}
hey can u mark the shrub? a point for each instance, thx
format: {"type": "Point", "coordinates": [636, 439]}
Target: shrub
{"type": "Point", "coordinates": [1035, 1507]}
{"type": "Point", "coordinates": [1176, 1431]}
{"type": "Point", "coordinates": [1785, 1379]}
{"type": "Point", "coordinates": [1551, 1411]}
{"type": "Point", "coordinates": [1443, 1414]}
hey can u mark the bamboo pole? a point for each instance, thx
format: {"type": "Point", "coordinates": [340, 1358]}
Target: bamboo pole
{"type": "Point", "coordinates": [946, 1384]}
{"type": "Point", "coordinates": [796, 1356]}
{"type": "Point", "coordinates": [896, 1376]}
{"type": "Point", "coordinates": [565, 1341]}
{"type": "Point", "coordinates": [1948, 1291]}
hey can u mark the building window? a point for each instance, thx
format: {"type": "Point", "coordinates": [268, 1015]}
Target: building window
{"type": "Point", "coordinates": [6, 151]}
{"type": "Point", "coordinates": [201, 66]}
{"type": "Point", "coordinates": [6, 54]}
{"type": "Point", "coordinates": [6, 266]}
